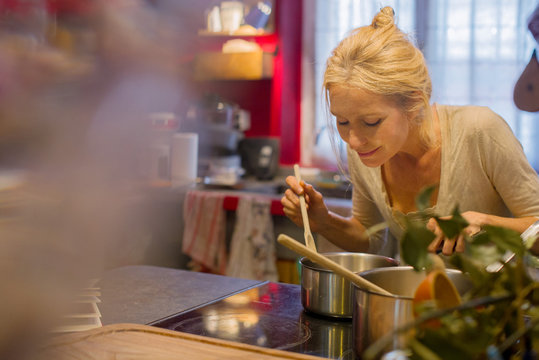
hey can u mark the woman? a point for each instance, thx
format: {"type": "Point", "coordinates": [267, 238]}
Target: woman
{"type": "Point", "coordinates": [378, 90]}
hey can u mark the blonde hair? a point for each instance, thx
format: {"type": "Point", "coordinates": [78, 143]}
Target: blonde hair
{"type": "Point", "coordinates": [381, 59]}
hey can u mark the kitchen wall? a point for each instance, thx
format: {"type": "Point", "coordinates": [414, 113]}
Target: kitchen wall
{"type": "Point", "coordinates": [274, 102]}
{"type": "Point", "coordinates": [92, 79]}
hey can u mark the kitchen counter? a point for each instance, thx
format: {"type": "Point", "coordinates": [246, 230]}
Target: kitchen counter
{"type": "Point", "coordinates": [201, 304]}
{"type": "Point", "coordinates": [134, 296]}
{"type": "Point", "coordinates": [143, 294]}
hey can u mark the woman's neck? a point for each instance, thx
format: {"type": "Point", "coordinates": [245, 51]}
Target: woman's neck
{"type": "Point", "coordinates": [414, 147]}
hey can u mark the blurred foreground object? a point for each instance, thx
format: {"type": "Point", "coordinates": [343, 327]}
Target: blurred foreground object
{"type": "Point", "coordinates": [73, 128]}
{"type": "Point", "coordinates": [526, 92]}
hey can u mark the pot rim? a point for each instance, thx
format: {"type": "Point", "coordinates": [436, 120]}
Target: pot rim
{"type": "Point", "coordinates": [317, 267]}
{"type": "Point", "coordinates": [392, 268]}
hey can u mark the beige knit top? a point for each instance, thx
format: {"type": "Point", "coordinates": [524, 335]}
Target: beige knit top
{"type": "Point", "coordinates": [483, 169]}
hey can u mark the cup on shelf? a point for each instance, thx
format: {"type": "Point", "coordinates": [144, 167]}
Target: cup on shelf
{"type": "Point", "coordinates": [214, 20]}
{"type": "Point", "coordinates": [231, 15]}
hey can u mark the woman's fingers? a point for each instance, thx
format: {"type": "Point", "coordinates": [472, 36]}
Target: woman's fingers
{"type": "Point", "coordinates": [290, 202]}
{"type": "Point", "coordinates": [293, 215]}
{"type": "Point", "coordinates": [432, 225]}
{"type": "Point", "coordinates": [449, 246]}
{"type": "Point", "coordinates": [457, 244]}
{"type": "Point", "coordinates": [296, 187]}
{"type": "Point", "coordinates": [313, 198]}
{"type": "Point", "coordinates": [291, 198]}
{"type": "Point", "coordinates": [461, 244]}
{"type": "Point", "coordinates": [291, 207]}
{"type": "Point", "coordinates": [472, 230]}
{"type": "Point", "coordinates": [314, 202]}
{"type": "Point", "coordinates": [435, 245]}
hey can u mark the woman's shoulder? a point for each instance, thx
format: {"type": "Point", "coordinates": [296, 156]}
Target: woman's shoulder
{"type": "Point", "coordinates": [470, 114]}
{"type": "Point", "coordinates": [473, 120]}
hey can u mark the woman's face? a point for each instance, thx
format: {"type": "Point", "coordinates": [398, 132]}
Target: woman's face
{"type": "Point", "coordinates": [371, 124]}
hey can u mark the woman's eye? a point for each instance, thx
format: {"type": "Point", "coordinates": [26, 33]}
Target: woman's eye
{"type": "Point", "coordinates": [369, 123]}
{"type": "Point", "coordinates": [342, 122]}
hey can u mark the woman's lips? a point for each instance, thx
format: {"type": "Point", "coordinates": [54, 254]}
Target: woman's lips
{"type": "Point", "coordinates": [367, 154]}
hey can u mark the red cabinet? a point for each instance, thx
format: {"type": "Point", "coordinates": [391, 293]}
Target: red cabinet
{"type": "Point", "coordinates": [274, 98]}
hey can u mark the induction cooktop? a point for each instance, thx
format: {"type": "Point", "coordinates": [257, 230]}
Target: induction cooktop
{"type": "Point", "coordinates": [269, 315]}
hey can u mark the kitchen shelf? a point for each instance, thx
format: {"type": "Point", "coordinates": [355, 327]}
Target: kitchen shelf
{"type": "Point", "coordinates": [271, 90]}
{"type": "Point", "coordinates": [233, 66]}
{"type": "Point", "coordinates": [227, 34]}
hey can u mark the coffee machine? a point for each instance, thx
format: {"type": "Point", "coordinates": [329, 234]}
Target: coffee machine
{"type": "Point", "coordinates": [220, 125]}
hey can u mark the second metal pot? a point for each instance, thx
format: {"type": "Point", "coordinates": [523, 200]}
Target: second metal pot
{"type": "Point", "coordinates": [325, 293]}
{"type": "Point", "coordinates": [376, 315]}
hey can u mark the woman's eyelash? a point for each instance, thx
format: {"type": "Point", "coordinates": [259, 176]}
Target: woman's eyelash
{"type": "Point", "coordinates": [374, 123]}
{"type": "Point", "coordinates": [345, 122]}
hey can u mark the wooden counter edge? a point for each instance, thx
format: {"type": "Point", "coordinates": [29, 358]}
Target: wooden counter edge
{"type": "Point", "coordinates": [205, 346]}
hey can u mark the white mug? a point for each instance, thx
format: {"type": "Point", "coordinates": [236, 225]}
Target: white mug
{"type": "Point", "coordinates": [231, 15]}
{"type": "Point", "coordinates": [184, 159]}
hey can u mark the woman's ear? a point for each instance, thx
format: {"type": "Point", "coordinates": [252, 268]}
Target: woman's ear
{"type": "Point", "coordinates": [415, 110]}
{"type": "Point", "coordinates": [526, 92]}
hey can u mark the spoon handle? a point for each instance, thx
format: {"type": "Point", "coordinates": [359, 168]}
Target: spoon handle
{"type": "Point", "coordinates": [329, 264]}
{"type": "Point", "coordinates": [309, 240]}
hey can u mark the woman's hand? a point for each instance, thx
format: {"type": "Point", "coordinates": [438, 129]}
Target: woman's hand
{"type": "Point", "coordinates": [457, 244]}
{"type": "Point", "coordinates": [316, 208]}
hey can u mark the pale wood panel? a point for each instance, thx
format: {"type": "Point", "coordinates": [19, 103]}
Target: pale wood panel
{"type": "Point", "coordinates": [132, 341]}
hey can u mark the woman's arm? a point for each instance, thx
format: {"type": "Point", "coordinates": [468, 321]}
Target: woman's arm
{"type": "Point", "coordinates": [345, 232]}
{"type": "Point", "coordinates": [495, 154]}
{"type": "Point", "coordinates": [517, 224]}
{"type": "Point", "coordinates": [477, 221]}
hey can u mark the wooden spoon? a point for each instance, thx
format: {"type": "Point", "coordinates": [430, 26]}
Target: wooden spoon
{"type": "Point", "coordinates": [309, 240]}
{"type": "Point", "coordinates": [329, 264]}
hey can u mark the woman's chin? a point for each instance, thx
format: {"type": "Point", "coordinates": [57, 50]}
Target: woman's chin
{"type": "Point", "coordinates": [372, 163]}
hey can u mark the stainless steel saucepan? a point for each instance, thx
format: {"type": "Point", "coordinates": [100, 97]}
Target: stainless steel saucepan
{"type": "Point", "coordinates": [326, 293]}
{"type": "Point", "coordinates": [376, 315]}
{"type": "Point", "coordinates": [326, 280]}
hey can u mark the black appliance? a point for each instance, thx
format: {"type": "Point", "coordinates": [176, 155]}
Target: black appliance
{"type": "Point", "coordinates": [260, 156]}
{"type": "Point", "coordinates": [271, 316]}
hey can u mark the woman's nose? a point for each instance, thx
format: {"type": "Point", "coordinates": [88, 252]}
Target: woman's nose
{"type": "Point", "coordinates": [356, 139]}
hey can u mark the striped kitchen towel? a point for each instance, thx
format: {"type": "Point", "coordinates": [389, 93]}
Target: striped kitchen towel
{"type": "Point", "coordinates": [205, 229]}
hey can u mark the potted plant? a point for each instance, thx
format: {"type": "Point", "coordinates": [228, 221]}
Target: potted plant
{"type": "Point", "coordinates": [497, 319]}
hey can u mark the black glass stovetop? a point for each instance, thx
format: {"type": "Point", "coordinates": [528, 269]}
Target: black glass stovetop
{"type": "Point", "coordinates": [271, 316]}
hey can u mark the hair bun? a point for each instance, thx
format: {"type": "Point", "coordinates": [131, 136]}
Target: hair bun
{"type": "Point", "coordinates": [384, 18]}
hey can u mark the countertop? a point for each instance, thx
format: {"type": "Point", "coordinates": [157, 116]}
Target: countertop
{"type": "Point", "coordinates": [134, 296]}
{"type": "Point", "coordinates": [143, 294]}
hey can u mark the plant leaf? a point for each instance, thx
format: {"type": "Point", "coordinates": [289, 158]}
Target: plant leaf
{"type": "Point", "coordinates": [505, 239]}
{"type": "Point", "coordinates": [465, 332]}
{"type": "Point", "coordinates": [422, 201]}
{"type": "Point", "coordinates": [475, 270]}
{"type": "Point", "coordinates": [481, 238]}
{"type": "Point", "coordinates": [453, 226]}
{"type": "Point", "coordinates": [445, 345]}
{"type": "Point", "coordinates": [414, 246]}
{"type": "Point", "coordinates": [422, 351]}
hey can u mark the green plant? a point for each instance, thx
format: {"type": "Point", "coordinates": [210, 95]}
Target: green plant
{"type": "Point", "coordinates": [499, 317]}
